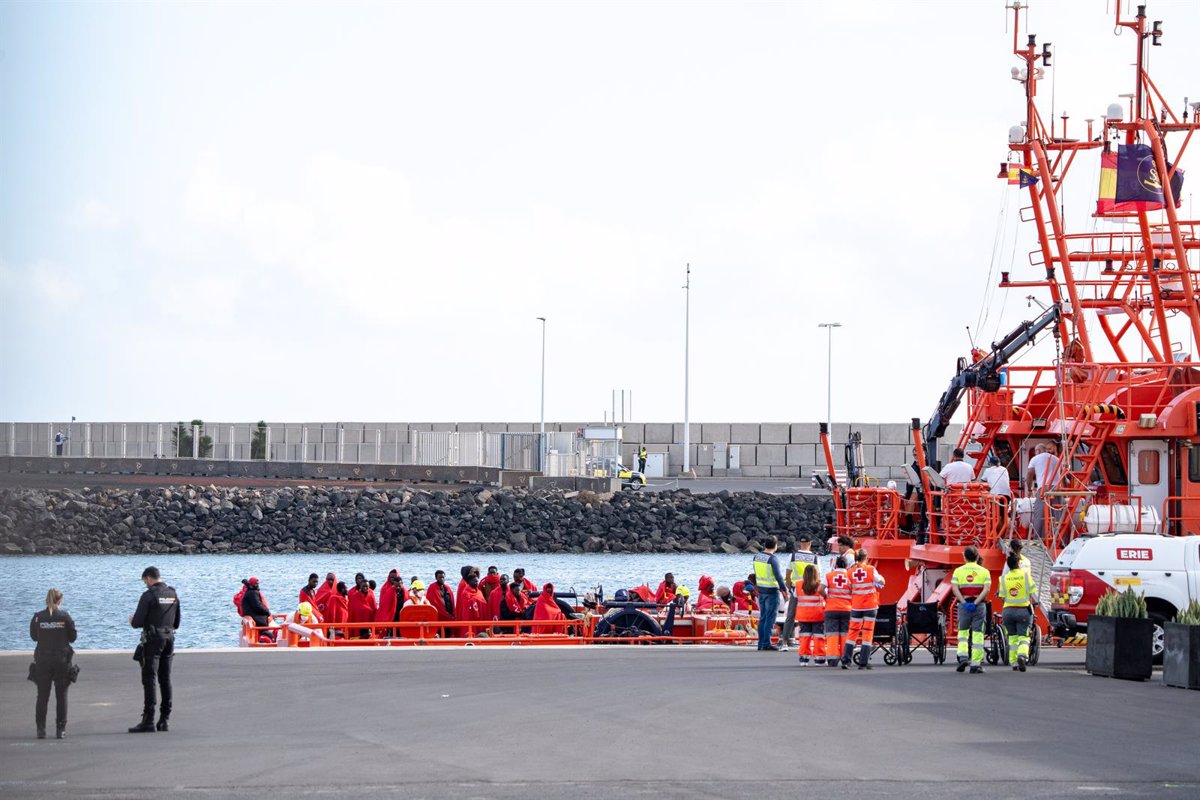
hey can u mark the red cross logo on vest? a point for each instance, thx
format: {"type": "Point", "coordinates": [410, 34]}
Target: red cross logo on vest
{"type": "Point", "coordinates": [839, 581]}
{"type": "Point", "coordinates": [860, 575]}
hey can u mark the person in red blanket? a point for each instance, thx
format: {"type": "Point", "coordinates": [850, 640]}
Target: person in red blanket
{"type": "Point", "coordinates": [526, 585]}
{"type": "Point", "coordinates": [470, 605]}
{"type": "Point", "coordinates": [708, 602]}
{"type": "Point", "coordinates": [547, 608]}
{"type": "Point", "coordinates": [392, 597]}
{"type": "Point", "coordinates": [514, 604]}
{"type": "Point", "coordinates": [497, 597]}
{"type": "Point", "coordinates": [666, 590]}
{"type": "Point", "coordinates": [308, 592]}
{"type": "Point", "coordinates": [337, 609]}
{"type": "Point", "coordinates": [490, 581]}
{"type": "Point", "coordinates": [440, 596]}
{"type": "Point", "coordinates": [744, 596]}
{"type": "Point", "coordinates": [324, 591]}
{"type": "Point", "coordinates": [361, 606]}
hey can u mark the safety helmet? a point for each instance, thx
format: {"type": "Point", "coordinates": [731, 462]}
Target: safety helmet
{"type": "Point", "coordinates": [416, 586]}
{"type": "Point", "coordinates": [683, 591]}
{"type": "Point", "coordinates": [305, 609]}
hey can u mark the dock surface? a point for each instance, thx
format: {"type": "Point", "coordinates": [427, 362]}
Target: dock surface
{"type": "Point", "coordinates": [599, 722]}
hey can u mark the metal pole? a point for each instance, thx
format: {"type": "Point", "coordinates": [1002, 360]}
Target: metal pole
{"type": "Point", "coordinates": [542, 413]}
{"type": "Point", "coordinates": [829, 326]}
{"type": "Point", "coordinates": [687, 322]}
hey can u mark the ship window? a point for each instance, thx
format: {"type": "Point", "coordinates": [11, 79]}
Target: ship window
{"type": "Point", "coordinates": [1147, 464]}
{"type": "Point", "coordinates": [1114, 466]}
{"type": "Point", "coordinates": [1194, 464]}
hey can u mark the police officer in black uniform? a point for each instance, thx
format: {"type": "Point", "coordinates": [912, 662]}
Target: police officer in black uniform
{"type": "Point", "coordinates": [53, 630]}
{"type": "Point", "coordinates": [158, 616]}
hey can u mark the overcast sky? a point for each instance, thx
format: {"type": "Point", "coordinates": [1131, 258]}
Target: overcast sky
{"type": "Point", "coordinates": [357, 211]}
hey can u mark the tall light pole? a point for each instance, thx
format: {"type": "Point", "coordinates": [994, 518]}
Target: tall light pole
{"type": "Point", "coordinates": [829, 326]}
{"type": "Point", "coordinates": [687, 321]}
{"type": "Point", "coordinates": [542, 424]}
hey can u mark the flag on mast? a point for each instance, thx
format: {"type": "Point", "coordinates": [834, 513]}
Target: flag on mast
{"type": "Point", "coordinates": [1129, 181]}
{"type": "Point", "coordinates": [1021, 176]}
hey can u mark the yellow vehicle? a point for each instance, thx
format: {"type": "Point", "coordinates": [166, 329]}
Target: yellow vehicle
{"type": "Point", "coordinates": [630, 479]}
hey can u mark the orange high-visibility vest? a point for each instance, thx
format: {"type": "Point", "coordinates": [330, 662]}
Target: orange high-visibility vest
{"type": "Point", "coordinates": [864, 593]}
{"type": "Point", "coordinates": [809, 607]}
{"type": "Point", "coordinates": [837, 583]}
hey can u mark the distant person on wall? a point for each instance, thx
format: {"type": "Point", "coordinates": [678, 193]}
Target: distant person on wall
{"type": "Point", "coordinates": [642, 455]}
{"type": "Point", "coordinates": [59, 440]}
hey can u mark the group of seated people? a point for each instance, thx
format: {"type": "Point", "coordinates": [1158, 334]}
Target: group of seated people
{"type": "Point", "coordinates": [493, 597]}
{"type": "Point", "coordinates": [475, 599]}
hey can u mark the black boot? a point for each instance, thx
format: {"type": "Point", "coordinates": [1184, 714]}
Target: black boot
{"type": "Point", "coordinates": [146, 725]}
{"type": "Point", "coordinates": [60, 730]}
{"type": "Point", "coordinates": [41, 732]}
{"type": "Point", "coordinates": [161, 727]}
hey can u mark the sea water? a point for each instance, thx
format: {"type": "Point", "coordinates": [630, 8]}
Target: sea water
{"type": "Point", "coordinates": [101, 592]}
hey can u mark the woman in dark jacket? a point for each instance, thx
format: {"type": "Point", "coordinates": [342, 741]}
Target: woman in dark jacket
{"type": "Point", "coordinates": [53, 630]}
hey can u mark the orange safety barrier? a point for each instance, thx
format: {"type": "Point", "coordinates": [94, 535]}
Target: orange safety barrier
{"type": "Point", "coordinates": [870, 511]}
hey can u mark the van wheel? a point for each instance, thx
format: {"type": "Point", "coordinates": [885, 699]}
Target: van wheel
{"type": "Point", "coordinates": [1157, 646]}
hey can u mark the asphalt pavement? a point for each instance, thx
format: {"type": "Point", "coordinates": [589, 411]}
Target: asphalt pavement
{"type": "Point", "coordinates": [600, 722]}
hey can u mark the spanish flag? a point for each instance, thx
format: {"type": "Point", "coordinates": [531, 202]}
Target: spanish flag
{"type": "Point", "coordinates": [1129, 181]}
{"type": "Point", "coordinates": [1021, 176]}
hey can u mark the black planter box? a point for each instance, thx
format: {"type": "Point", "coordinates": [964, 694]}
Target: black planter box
{"type": "Point", "coordinates": [1120, 647]}
{"type": "Point", "coordinates": [1181, 655]}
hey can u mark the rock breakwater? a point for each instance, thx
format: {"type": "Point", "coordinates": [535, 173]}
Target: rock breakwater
{"type": "Point", "coordinates": [367, 520]}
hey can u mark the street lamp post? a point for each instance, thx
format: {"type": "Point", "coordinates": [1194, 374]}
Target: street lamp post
{"type": "Point", "coordinates": [542, 424]}
{"type": "Point", "coordinates": [829, 326]}
{"type": "Point", "coordinates": [687, 319]}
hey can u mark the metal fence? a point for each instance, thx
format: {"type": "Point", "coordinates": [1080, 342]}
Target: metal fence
{"type": "Point", "coordinates": [383, 443]}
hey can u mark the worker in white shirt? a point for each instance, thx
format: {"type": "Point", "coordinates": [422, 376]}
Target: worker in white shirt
{"type": "Point", "coordinates": [1039, 476]}
{"type": "Point", "coordinates": [997, 478]}
{"type": "Point", "coordinates": [957, 471]}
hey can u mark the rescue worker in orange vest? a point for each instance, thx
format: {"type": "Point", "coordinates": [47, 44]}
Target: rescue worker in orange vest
{"type": "Point", "coordinates": [837, 611]}
{"type": "Point", "coordinates": [810, 617]}
{"type": "Point", "coordinates": [865, 584]}
{"type": "Point", "coordinates": [972, 585]}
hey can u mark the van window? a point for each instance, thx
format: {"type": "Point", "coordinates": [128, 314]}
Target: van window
{"type": "Point", "coordinates": [1147, 464]}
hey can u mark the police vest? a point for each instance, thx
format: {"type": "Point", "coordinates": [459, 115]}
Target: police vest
{"type": "Point", "coordinates": [764, 575]}
{"type": "Point", "coordinates": [837, 585]}
{"type": "Point", "coordinates": [863, 591]}
{"type": "Point", "coordinates": [970, 578]}
{"type": "Point", "coordinates": [800, 560]}
{"type": "Point", "coordinates": [1017, 589]}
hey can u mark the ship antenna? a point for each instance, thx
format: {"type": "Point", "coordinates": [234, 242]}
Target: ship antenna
{"type": "Point", "coordinates": [970, 338]}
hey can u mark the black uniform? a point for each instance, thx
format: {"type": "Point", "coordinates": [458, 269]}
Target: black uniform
{"type": "Point", "coordinates": [158, 616]}
{"type": "Point", "coordinates": [52, 662]}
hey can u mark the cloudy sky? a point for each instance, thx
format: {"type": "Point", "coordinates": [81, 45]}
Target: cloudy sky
{"type": "Point", "coordinates": [357, 211]}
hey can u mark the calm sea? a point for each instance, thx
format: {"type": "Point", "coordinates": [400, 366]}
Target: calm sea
{"type": "Point", "coordinates": [102, 591]}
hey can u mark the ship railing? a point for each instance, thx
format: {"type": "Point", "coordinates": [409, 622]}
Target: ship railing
{"type": "Point", "coordinates": [1174, 518]}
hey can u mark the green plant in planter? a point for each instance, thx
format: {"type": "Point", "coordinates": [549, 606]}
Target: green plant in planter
{"type": "Point", "coordinates": [1122, 604]}
{"type": "Point", "coordinates": [1189, 615]}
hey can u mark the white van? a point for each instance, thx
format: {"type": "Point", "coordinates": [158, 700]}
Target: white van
{"type": "Point", "coordinates": [1165, 569]}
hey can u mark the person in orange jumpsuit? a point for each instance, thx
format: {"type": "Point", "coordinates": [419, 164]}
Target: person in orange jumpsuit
{"type": "Point", "coordinates": [810, 617]}
{"type": "Point", "coordinates": [865, 584]}
{"type": "Point", "coordinates": [837, 611]}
